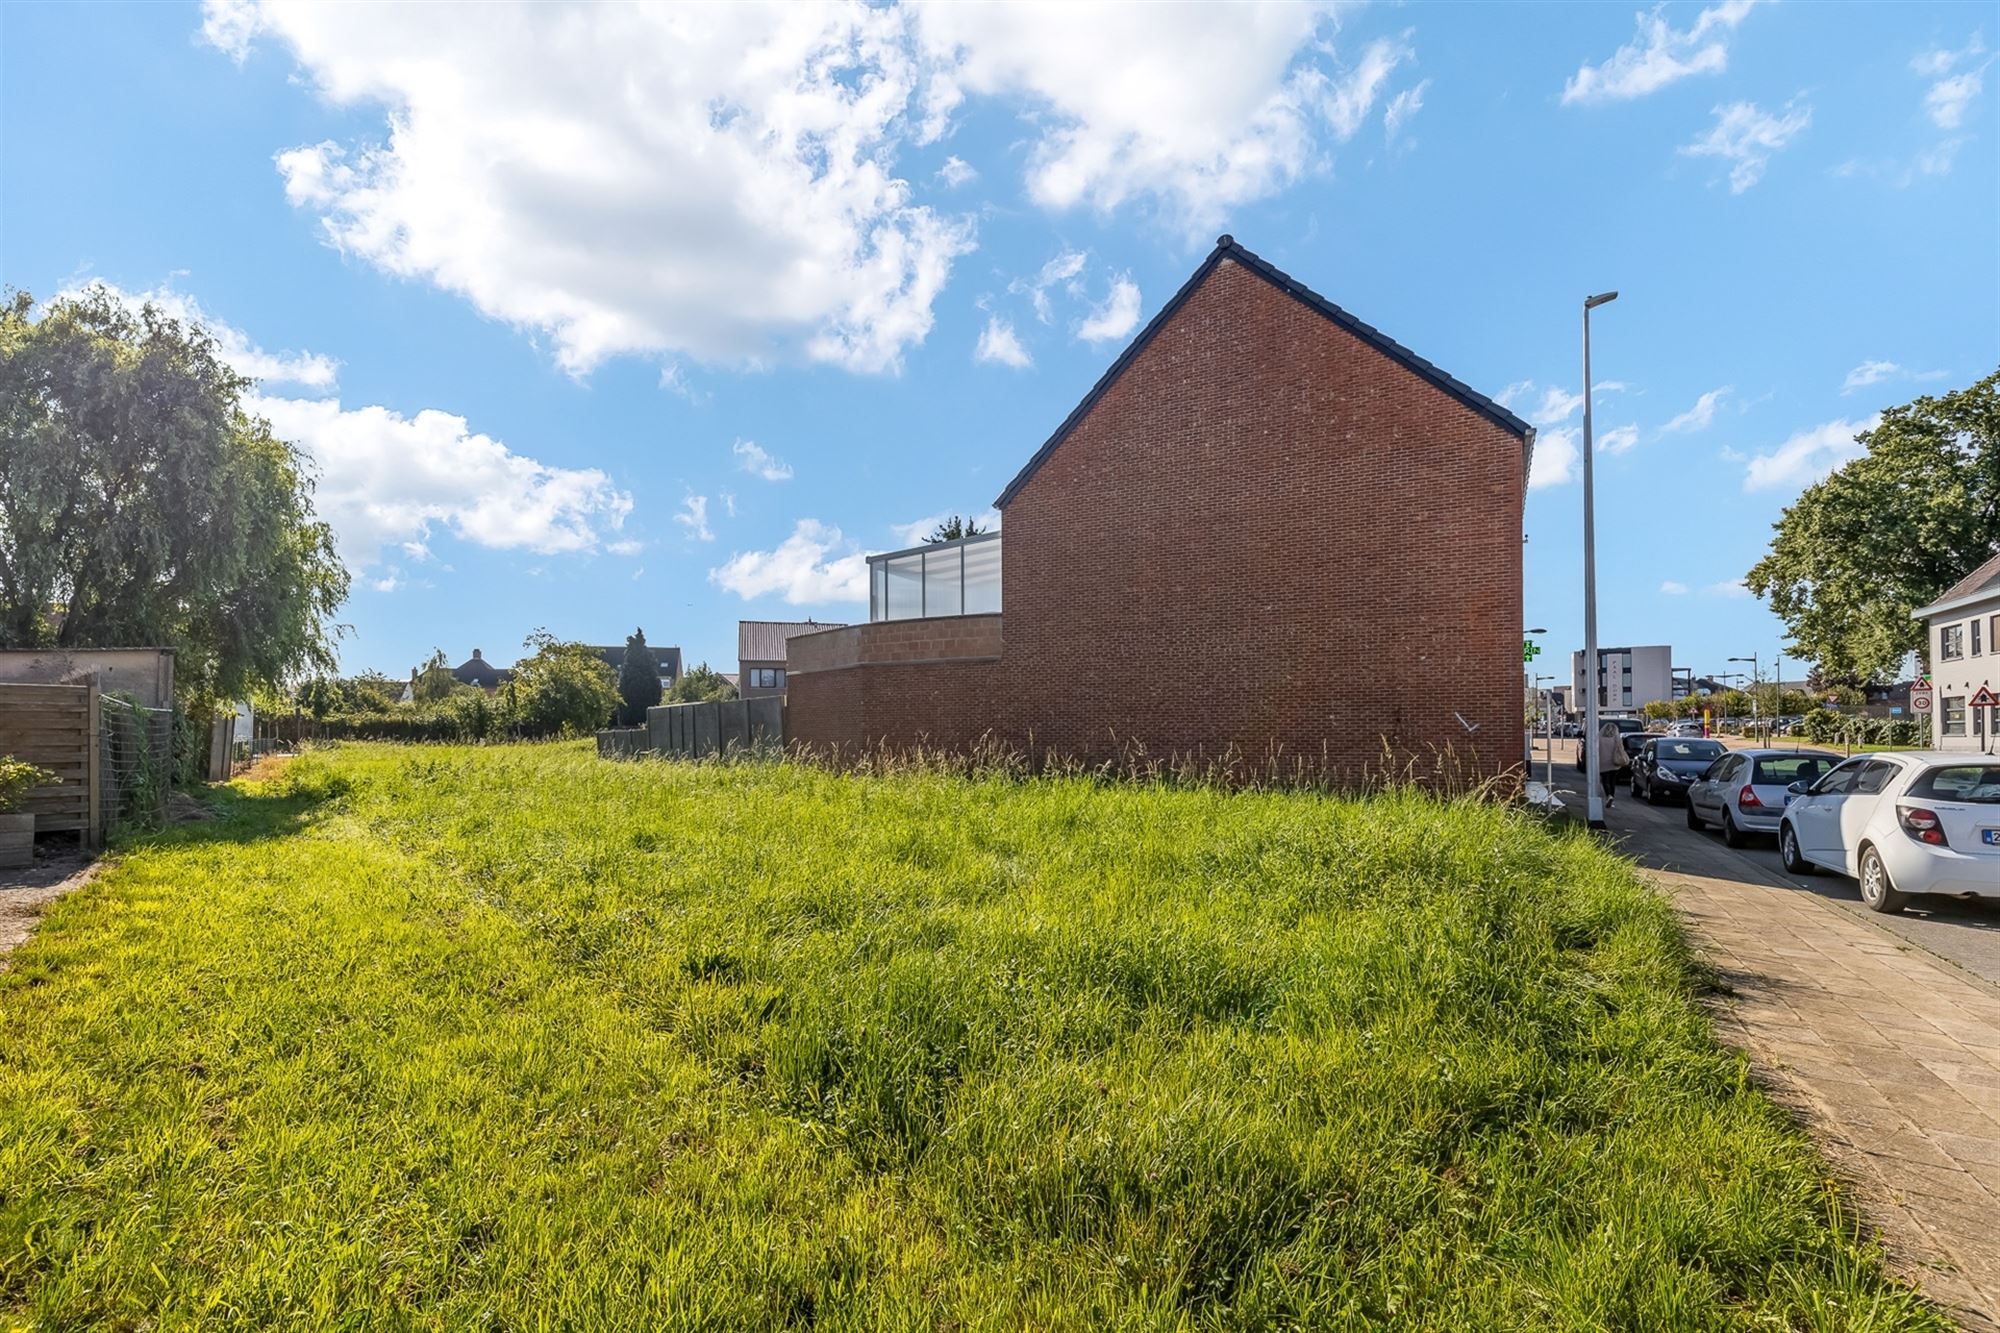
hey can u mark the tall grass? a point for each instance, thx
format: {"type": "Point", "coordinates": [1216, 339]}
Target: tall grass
{"type": "Point", "coordinates": [515, 1038]}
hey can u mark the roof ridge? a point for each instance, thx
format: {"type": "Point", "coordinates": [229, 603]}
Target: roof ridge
{"type": "Point", "coordinates": [1226, 247]}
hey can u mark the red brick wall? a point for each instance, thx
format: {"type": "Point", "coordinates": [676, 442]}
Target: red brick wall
{"type": "Point", "coordinates": [899, 683]}
{"type": "Point", "coordinates": [1267, 539]}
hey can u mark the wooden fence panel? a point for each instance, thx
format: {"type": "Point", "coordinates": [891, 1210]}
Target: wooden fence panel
{"type": "Point", "coordinates": [56, 727]}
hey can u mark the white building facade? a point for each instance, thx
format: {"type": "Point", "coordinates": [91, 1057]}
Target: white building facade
{"type": "Point", "coordinates": [1964, 660]}
{"type": "Point", "coordinates": [1627, 678]}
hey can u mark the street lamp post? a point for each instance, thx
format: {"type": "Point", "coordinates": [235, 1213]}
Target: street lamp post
{"type": "Point", "coordinates": [1752, 660]}
{"type": "Point", "coordinates": [1593, 791]}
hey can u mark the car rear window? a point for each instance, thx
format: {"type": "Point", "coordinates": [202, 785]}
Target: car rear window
{"type": "Point", "coordinates": [1976, 783]}
{"type": "Point", "coordinates": [1688, 749]}
{"type": "Point", "coordinates": [1784, 770]}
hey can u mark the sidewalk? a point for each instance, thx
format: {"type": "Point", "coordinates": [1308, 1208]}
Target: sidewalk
{"type": "Point", "coordinates": [1889, 1053]}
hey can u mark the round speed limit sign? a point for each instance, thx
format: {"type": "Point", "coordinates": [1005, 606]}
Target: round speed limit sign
{"type": "Point", "coordinates": [1920, 701]}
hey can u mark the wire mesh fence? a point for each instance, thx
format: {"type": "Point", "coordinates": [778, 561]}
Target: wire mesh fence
{"type": "Point", "coordinates": [135, 761]}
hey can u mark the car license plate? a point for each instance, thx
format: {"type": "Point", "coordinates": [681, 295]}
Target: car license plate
{"type": "Point", "coordinates": [1990, 836]}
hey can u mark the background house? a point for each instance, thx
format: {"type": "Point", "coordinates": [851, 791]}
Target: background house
{"type": "Point", "coordinates": [669, 657]}
{"type": "Point", "coordinates": [760, 653]}
{"type": "Point", "coordinates": [1964, 659]}
{"type": "Point", "coordinates": [1269, 537]}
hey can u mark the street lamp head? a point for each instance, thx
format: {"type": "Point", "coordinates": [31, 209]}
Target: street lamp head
{"type": "Point", "coordinates": [1535, 631]}
{"type": "Point", "coordinates": [1602, 298]}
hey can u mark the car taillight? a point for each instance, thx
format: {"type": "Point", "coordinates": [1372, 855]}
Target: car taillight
{"type": "Point", "coordinates": [1921, 824]}
{"type": "Point", "coordinates": [1747, 799]}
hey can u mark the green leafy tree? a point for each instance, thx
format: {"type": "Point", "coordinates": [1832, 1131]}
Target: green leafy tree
{"type": "Point", "coordinates": [701, 685]}
{"type": "Point", "coordinates": [434, 679]}
{"type": "Point", "coordinates": [953, 528]}
{"type": "Point", "coordinates": [563, 689]}
{"type": "Point", "coordinates": [140, 503]}
{"type": "Point", "coordinates": [1857, 553]}
{"type": "Point", "coordinates": [638, 679]}
{"type": "Point", "coordinates": [1659, 710]}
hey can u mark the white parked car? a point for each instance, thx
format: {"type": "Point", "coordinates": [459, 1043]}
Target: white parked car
{"type": "Point", "coordinates": [1924, 821]}
{"type": "Point", "coordinates": [1746, 791]}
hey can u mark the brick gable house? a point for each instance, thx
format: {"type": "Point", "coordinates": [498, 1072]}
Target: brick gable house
{"type": "Point", "coordinates": [1269, 536]}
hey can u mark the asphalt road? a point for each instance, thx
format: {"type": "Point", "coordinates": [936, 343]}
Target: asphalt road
{"type": "Point", "coordinates": [1964, 932]}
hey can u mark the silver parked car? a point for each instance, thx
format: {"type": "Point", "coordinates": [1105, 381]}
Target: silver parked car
{"type": "Point", "coordinates": [1746, 791]}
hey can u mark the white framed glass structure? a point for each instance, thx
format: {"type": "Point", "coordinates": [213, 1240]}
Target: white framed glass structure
{"type": "Point", "coordinates": [958, 578]}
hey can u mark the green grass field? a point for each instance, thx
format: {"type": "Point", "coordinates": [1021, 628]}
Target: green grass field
{"type": "Point", "coordinates": [514, 1038]}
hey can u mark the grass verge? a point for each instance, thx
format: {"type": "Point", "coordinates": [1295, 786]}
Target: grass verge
{"type": "Point", "coordinates": [517, 1038]}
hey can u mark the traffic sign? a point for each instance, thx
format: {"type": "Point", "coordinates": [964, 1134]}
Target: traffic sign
{"type": "Point", "coordinates": [1985, 698]}
{"type": "Point", "coordinates": [1920, 701]}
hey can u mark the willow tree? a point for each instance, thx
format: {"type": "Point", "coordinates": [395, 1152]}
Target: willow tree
{"type": "Point", "coordinates": [142, 504]}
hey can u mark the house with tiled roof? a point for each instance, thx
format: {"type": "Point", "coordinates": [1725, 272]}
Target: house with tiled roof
{"type": "Point", "coordinates": [1965, 660]}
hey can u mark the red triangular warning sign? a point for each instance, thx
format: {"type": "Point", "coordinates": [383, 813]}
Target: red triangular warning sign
{"type": "Point", "coordinates": [1986, 698]}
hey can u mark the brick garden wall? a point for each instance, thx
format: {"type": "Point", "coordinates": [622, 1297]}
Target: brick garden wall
{"type": "Point", "coordinates": [1267, 539]}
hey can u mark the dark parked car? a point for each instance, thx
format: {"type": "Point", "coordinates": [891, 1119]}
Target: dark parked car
{"type": "Point", "coordinates": [1663, 768]}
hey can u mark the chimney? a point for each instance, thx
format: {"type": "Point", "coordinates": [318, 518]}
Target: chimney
{"type": "Point", "coordinates": [475, 655]}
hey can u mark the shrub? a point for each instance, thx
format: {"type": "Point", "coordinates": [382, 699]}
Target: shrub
{"type": "Point", "coordinates": [19, 777]}
{"type": "Point", "coordinates": [1822, 726]}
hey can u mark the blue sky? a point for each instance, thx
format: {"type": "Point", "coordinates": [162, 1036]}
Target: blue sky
{"type": "Point", "coordinates": [603, 317]}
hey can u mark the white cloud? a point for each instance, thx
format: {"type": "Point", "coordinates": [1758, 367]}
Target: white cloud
{"type": "Point", "coordinates": [1806, 456]}
{"type": "Point", "coordinates": [1870, 372]}
{"type": "Point", "coordinates": [1402, 107]}
{"type": "Point", "coordinates": [1746, 137]}
{"type": "Point", "coordinates": [694, 518]}
{"type": "Point", "coordinates": [1118, 316]}
{"type": "Point", "coordinates": [1951, 95]}
{"type": "Point", "coordinates": [1726, 588]}
{"type": "Point", "coordinates": [1061, 272]}
{"type": "Point", "coordinates": [626, 547]}
{"type": "Point", "coordinates": [1673, 588]}
{"type": "Point", "coordinates": [1877, 372]}
{"type": "Point", "coordinates": [1555, 459]}
{"type": "Point", "coordinates": [722, 183]}
{"type": "Point", "coordinates": [1948, 99]}
{"type": "Point", "coordinates": [1659, 55]}
{"type": "Point", "coordinates": [729, 503]}
{"type": "Point", "coordinates": [998, 345]}
{"type": "Point", "coordinates": [814, 565]}
{"type": "Point", "coordinates": [387, 583]}
{"type": "Point", "coordinates": [388, 479]}
{"type": "Point", "coordinates": [1558, 404]}
{"type": "Point", "coordinates": [385, 479]}
{"type": "Point", "coordinates": [713, 181]}
{"type": "Point", "coordinates": [1204, 108]}
{"type": "Point", "coordinates": [755, 459]}
{"type": "Point", "coordinates": [1698, 417]}
{"type": "Point", "coordinates": [956, 171]}
{"type": "Point", "coordinates": [1617, 440]}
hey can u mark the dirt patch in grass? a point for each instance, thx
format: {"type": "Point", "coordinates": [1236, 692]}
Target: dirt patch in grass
{"type": "Point", "coordinates": [27, 891]}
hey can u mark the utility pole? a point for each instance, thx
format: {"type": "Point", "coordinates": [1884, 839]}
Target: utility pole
{"type": "Point", "coordinates": [1593, 787]}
